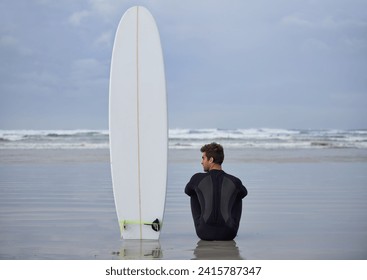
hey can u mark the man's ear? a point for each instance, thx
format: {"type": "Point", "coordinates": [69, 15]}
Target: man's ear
{"type": "Point", "coordinates": [211, 160]}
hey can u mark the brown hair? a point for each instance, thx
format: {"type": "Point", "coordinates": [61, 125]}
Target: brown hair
{"type": "Point", "coordinates": [215, 151]}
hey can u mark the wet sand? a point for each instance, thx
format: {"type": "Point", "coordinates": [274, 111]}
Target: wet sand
{"type": "Point", "coordinates": [302, 204]}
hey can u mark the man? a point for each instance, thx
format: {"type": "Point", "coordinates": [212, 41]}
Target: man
{"type": "Point", "coordinates": [216, 197]}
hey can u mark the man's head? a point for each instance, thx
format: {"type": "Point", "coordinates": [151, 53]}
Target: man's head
{"type": "Point", "coordinates": [212, 157]}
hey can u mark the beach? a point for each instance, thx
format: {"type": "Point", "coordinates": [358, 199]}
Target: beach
{"type": "Point", "coordinates": [303, 204]}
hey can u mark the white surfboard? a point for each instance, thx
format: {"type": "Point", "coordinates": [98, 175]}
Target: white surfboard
{"type": "Point", "coordinates": [138, 126]}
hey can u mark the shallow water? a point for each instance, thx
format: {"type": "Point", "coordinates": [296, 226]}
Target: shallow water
{"type": "Point", "coordinates": [302, 204]}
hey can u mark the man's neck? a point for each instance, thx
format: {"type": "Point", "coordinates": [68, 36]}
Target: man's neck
{"type": "Point", "coordinates": [215, 167]}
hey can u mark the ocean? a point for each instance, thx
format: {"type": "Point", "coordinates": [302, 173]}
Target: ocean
{"type": "Point", "coordinates": [263, 138]}
{"type": "Point", "coordinates": [307, 196]}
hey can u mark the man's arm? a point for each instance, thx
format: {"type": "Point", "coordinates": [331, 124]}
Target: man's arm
{"type": "Point", "coordinates": [243, 190]}
{"type": "Point", "coordinates": [189, 189]}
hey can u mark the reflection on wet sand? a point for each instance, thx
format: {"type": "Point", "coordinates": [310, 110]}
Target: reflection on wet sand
{"type": "Point", "coordinates": [140, 250]}
{"type": "Point", "coordinates": [217, 250]}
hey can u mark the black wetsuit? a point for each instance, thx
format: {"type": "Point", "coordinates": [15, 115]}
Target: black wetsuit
{"type": "Point", "coordinates": [216, 204]}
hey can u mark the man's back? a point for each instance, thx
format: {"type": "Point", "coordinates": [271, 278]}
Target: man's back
{"type": "Point", "coordinates": [216, 204]}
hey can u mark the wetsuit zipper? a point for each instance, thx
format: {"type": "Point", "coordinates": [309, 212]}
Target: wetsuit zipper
{"type": "Point", "coordinates": [215, 204]}
{"type": "Point", "coordinates": [216, 197]}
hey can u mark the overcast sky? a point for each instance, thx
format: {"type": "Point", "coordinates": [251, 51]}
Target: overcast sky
{"type": "Point", "coordinates": [229, 63]}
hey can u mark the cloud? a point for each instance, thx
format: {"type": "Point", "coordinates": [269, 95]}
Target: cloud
{"type": "Point", "coordinates": [11, 43]}
{"type": "Point", "coordinates": [332, 22]}
{"type": "Point", "coordinates": [96, 10]}
{"type": "Point", "coordinates": [325, 22]}
{"type": "Point", "coordinates": [8, 41]}
{"type": "Point", "coordinates": [245, 59]}
{"type": "Point", "coordinates": [295, 20]}
{"type": "Point", "coordinates": [88, 77]}
{"type": "Point", "coordinates": [104, 8]}
{"type": "Point", "coordinates": [88, 68]}
{"type": "Point", "coordinates": [312, 44]}
{"type": "Point", "coordinates": [77, 17]}
{"type": "Point", "coordinates": [104, 40]}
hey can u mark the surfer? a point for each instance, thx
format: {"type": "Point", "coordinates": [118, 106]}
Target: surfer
{"type": "Point", "coordinates": [215, 197]}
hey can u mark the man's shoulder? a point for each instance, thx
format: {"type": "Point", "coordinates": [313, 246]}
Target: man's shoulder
{"type": "Point", "coordinates": [232, 177]}
{"type": "Point", "coordinates": [199, 176]}
{"type": "Point", "coordinates": [194, 182]}
{"type": "Point", "coordinates": [238, 184]}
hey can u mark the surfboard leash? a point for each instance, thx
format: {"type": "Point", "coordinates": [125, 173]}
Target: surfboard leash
{"type": "Point", "coordinates": [156, 224]}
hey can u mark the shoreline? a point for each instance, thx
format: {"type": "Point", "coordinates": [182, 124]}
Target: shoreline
{"type": "Point", "coordinates": [253, 155]}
